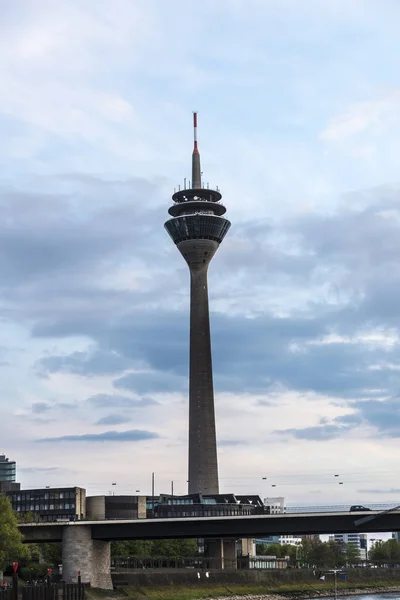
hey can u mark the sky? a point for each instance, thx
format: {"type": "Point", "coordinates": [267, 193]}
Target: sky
{"type": "Point", "coordinates": [299, 123]}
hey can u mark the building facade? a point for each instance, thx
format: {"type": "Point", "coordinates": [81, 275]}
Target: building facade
{"type": "Point", "coordinates": [99, 508]}
{"type": "Point", "coordinates": [50, 504]}
{"type": "Point", "coordinates": [210, 505]}
{"type": "Point", "coordinates": [276, 505]}
{"type": "Point", "coordinates": [282, 540]}
{"type": "Point", "coordinates": [8, 474]}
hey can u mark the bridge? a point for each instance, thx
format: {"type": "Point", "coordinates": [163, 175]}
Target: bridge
{"type": "Point", "coordinates": [86, 544]}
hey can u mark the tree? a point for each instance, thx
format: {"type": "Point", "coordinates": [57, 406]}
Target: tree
{"type": "Point", "coordinates": [393, 550]}
{"type": "Point", "coordinates": [11, 547]}
{"type": "Point", "coordinates": [379, 553]}
{"type": "Point", "coordinates": [159, 548]}
{"type": "Point", "coordinates": [52, 554]}
{"type": "Point", "coordinates": [353, 556]}
{"type": "Point", "coordinates": [134, 548]}
{"type": "Point", "coordinates": [174, 548]}
{"type": "Point", "coordinates": [383, 553]}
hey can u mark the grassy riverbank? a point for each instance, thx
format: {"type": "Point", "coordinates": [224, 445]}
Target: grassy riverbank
{"type": "Point", "coordinates": [295, 590]}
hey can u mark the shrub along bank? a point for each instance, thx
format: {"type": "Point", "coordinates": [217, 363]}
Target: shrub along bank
{"type": "Point", "coordinates": [285, 583]}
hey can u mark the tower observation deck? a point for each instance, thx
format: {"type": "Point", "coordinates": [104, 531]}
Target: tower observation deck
{"type": "Point", "coordinates": [197, 228]}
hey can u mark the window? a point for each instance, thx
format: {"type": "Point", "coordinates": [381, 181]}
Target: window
{"type": "Point", "coordinates": [197, 227]}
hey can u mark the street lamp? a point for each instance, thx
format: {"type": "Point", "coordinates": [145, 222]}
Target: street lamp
{"type": "Point", "coordinates": [334, 572]}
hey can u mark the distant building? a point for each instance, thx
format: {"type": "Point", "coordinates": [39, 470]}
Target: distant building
{"type": "Point", "coordinates": [50, 504]}
{"type": "Point", "coordinates": [8, 474]}
{"type": "Point", "coordinates": [115, 507]}
{"type": "Point", "coordinates": [276, 505]}
{"type": "Point", "coordinates": [202, 505]}
{"type": "Point", "coordinates": [292, 540]}
{"type": "Point", "coordinates": [359, 540]}
{"type": "Point", "coordinates": [396, 536]}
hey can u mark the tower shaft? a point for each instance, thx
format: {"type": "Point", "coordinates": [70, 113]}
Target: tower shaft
{"type": "Point", "coordinates": [203, 464]}
{"type": "Point", "coordinates": [198, 228]}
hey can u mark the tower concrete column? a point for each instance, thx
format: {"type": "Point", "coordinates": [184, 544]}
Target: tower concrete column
{"type": "Point", "coordinates": [90, 557]}
{"type": "Point", "coordinates": [203, 465]}
{"type": "Point", "coordinates": [198, 228]}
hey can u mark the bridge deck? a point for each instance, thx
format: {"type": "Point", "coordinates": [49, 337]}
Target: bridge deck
{"type": "Point", "coordinates": [198, 527]}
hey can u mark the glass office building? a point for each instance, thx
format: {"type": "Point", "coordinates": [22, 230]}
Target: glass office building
{"type": "Point", "coordinates": [8, 469]}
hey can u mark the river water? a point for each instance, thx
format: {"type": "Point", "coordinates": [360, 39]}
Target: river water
{"type": "Point", "coordinates": [381, 596]}
{"type": "Point", "coordinates": [378, 596]}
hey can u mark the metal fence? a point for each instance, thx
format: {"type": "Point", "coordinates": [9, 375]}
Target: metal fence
{"type": "Point", "coordinates": [45, 591]}
{"type": "Point", "coordinates": [54, 591]}
{"type": "Point", "coordinates": [7, 594]}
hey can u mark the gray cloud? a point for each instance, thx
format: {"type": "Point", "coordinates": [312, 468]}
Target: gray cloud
{"type": "Point", "coordinates": [115, 401]}
{"type": "Point", "coordinates": [91, 363]}
{"type": "Point", "coordinates": [383, 415]}
{"type": "Point", "coordinates": [113, 420]}
{"type": "Point", "coordinates": [350, 290]}
{"type": "Point", "coordinates": [380, 491]}
{"type": "Point", "coordinates": [39, 469]}
{"type": "Point", "coordinates": [232, 443]}
{"type": "Point", "coordinates": [133, 435]}
{"type": "Point", "coordinates": [152, 382]}
{"type": "Point", "coordinates": [317, 433]}
{"type": "Point", "coordinates": [40, 407]}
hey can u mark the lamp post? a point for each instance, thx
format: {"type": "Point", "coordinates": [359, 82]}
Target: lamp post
{"type": "Point", "coordinates": [334, 572]}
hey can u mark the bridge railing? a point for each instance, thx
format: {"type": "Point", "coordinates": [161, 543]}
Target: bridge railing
{"type": "Point", "coordinates": [127, 564]}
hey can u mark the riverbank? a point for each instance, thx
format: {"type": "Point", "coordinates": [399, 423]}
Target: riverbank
{"type": "Point", "coordinates": [256, 591]}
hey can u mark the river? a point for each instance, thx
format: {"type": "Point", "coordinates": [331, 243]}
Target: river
{"type": "Point", "coordinates": [379, 596]}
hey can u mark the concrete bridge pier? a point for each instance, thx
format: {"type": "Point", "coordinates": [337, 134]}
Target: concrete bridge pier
{"type": "Point", "coordinates": [90, 557]}
{"type": "Point", "coordinates": [221, 554]}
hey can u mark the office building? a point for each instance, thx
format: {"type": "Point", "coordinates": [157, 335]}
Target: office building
{"type": "Point", "coordinates": [50, 504]}
{"type": "Point", "coordinates": [115, 507]}
{"type": "Point", "coordinates": [282, 540]}
{"type": "Point", "coordinates": [210, 505]}
{"type": "Point", "coordinates": [197, 228]}
{"type": "Point", "coordinates": [8, 475]}
{"type": "Point", "coordinates": [276, 505]}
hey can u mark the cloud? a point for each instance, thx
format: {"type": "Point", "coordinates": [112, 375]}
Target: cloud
{"type": "Point", "coordinates": [380, 491]}
{"type": "Point", "coordinates": [40, 407]}
{"type": "Point", "coordinates": [108, 400]}
{"type": "Point", "coordinates": [90, 363]}
{"type": "Point", "coordinates": [113, 420]}
{"type": "Point", "coordinates": [133, 435]}
{"type": "Point", "coordinates": [232, 443]}
{"type": "Point", "coordinates": [318, 433]}
{"type": "Point", "coordinates": [363, 116]}
{"type": "Point", "coordinates": [39, 469]}
{"type": "Point", "coordinates": [381, 415]}
{"type": "Point", "coordinates": [152, 382]}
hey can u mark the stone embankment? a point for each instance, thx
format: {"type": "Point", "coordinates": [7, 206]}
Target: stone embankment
{"type": "Point", "coordinates": [313, 594]}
